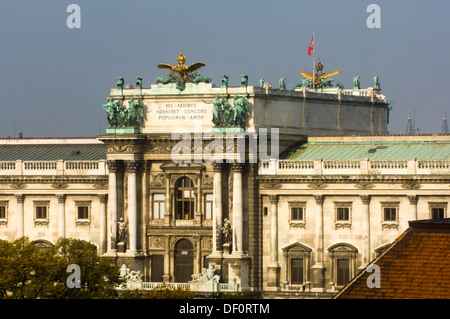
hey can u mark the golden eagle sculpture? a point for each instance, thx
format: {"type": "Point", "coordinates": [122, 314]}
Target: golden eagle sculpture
{"type": "Point", "coordinates": [181, 72]}
{"type": "Point", "coordinates": [319, 75]}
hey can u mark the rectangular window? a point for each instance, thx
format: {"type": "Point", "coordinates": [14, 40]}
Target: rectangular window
{"type": "Point", "coordinates": [159, 202]}
{"type": "Point", "coordinates": [343, 272]}
{"type": "Point", "coordinates": [41, 212]}
{"type": "Point", "coordinates": [437, 213]}
{"type": "Point", "coordinates": [343, 213]}
{"type": "Point", "coordinates": [83, 212]}
{"type": "Point", "coordinates": [390, 214]}
{"type": "Point", "coordinates": [296, 213]}
{"type": "Point", "coordinates": [297, 271]}
{"type": "Point", "coordinates": [2, 212]}
{"type": "Point", "coordinates": [209, 202]}
{"type": "Point", "coordinates": [157, 268]}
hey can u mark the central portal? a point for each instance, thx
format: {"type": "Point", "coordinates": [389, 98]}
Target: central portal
{"type": "Point", "coordinates": [184, 261]}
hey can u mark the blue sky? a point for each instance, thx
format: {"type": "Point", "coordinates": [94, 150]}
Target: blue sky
{"type": "Point", "coordinates": [52, 78]}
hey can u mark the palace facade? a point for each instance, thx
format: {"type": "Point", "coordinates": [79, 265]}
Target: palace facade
{"type": "Point", "coordinates": [291, 199]}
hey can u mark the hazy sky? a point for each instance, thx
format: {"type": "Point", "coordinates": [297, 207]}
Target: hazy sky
{"type": "Point", "coordinates": [53, 78]}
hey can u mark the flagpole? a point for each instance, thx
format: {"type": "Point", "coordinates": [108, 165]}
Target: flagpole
{"type": "Point", "coordinates": [314, 60]}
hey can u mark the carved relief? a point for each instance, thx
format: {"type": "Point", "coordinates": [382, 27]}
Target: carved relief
{"type": "Point", "coordinates": [207, 181]}
{"type": "Point", "coordinates": [271, 185]}
{"type": "Point", "coordinates": [100, 185]}
{"type": "Point", "coordinates": [157, 242]}
{"type": "Point", "coordinates": [207, 243]}
{"type": "Point", "coordinates": [317, 185]}
{"type": "Point", "coordinates": [364, 185]}
{"type": "Point", "coordinates": [158, 180]}
{"type": "Point", "coordinates": [412, 185]}
{"type": "Point", "coordinates": [160, 146]}
{"type": "Point", "coordinates": [60, 185]}
{"type": "Point", "coordinates": [18, 185]}
{"type": "Point", "coordinates": [120, 148]}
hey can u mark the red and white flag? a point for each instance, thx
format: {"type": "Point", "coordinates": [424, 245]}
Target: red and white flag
{"type": "Point", "coordinates": [311, 45]}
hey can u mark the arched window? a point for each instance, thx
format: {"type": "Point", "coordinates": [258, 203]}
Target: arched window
{"type": "Point", "coordinates": [343, 258]}
{"type": "Point", "coordinates": [297, 263]}
{"type": "Point", "coordinates": [184, 261]}
{"type": "Point", "coordinates": [185, 198]}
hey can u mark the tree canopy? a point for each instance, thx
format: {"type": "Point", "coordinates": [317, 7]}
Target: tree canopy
{"type": "Point", "coordinates": [26, 272]}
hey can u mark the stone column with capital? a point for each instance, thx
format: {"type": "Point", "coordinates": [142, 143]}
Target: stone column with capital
{"type": "Point", "coordinates": [113, 167]}
{"type": "Point", "coordinates": [20, 225]}
{"type": "Point", "coordinates": [238, 218]}
{"type": "Point", "coordinates": [273, 269]}
{"type": "Point", "coordinates": [413, 199]}
{"type": "Point", "coordinates": [318, 269]}
{"type": "Point", "coordinates": [217, 210]}
{"type": "Point", "coordinates": [103, 223]}
{"type": "Point", "coordinates": [61, 215]}
{"type": "Point", "coordinates": [365, 230]}
{"type": "Point", "coordinates": [131, 167]}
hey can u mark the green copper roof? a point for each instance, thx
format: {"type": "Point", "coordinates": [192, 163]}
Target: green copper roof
{"type": "Point", "coordinates": [53, 152]}
{"type": "Point", "coordinates": [371, 150]}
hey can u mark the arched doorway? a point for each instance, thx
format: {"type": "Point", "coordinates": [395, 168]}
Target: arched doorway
{"type": "Point", "coordinates": [184, 260]}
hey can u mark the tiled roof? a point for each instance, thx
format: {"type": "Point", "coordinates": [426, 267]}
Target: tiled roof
{"type": "Point", "coordinates": [415, 266]}
{"type": "Point", "coordinates": [52, 152]}
{"type": "Point", "coordinates": [371, 150]}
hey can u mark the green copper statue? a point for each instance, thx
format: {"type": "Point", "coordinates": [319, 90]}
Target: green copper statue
{"type": "Point", "coordinates": [356, 84]}
{"type": "Point", "coordinates": [139, 82]}
{"type": "Point", "coordinates": [282, 83]}
{"type": "Point", "coordinates": [244, 80]}
{"type": "Point", "coordinates": [225, 115]}
{"type": "Point", "coordinates": [119, 116]}
{"type": "Point", "coordinates": [376, 83]}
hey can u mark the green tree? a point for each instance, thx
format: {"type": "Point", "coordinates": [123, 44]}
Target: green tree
{"type": "Point", "coordinates": [99, 279]}
{"type": "Point", "coordinates": [27, 272]}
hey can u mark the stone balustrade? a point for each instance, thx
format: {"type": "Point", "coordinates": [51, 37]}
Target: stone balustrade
{"type": "Point", "coordinates": [60, 167]}
{"type": "Point", "coordinates": [351, 167]}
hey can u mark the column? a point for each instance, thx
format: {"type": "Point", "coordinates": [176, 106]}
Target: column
{"type": "Point", "coordinates": [132, 167]}
{"type": "Point", "coordinates": [61, 215]}
{"type": "Point", "coordinates": [413, 201]}
{"type": "Point", "coordinates": [217, 209]}
{"type": "Point", "coordinates": [274, 229]}
{"type": "Point", "coordinates": [366, 230]}
{"type": "Point", "coordinates": [20, 225]}
{"type": "Point", "coordinates": [103, 221]}
{"type": "Point", "coordinates": [273, 269]}
{"type": "Point", "coordinates": [167, 261]}
{"type": "Point", "coordinates": [318, 269]}
{"type": "Point", "coordinates": [113, 166]}
{"type": "Point", "coordinates": [237, 209]}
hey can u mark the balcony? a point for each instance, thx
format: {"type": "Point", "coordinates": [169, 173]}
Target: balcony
{"type": "Point", "coordinates": [59, 168]}
{"type": "Point", "coordinates": [355, 167]}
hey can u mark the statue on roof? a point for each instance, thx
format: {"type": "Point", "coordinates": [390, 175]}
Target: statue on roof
{"type": "Point", "coordinates": [319, 77]}
{"type": "Point", "coordinates": [134, 113]}
{"type": "Point", "coordinates": [244, 80]}
{"type": "Point", "coordinates": [139, 82]}
{"type": "Point", "coordinates": [226, 115]}
{"type": "Point", "coordinates": [282, 83]}
{"type": "Point", "coordinates": [376, 83]}
{"type": "Point", "coordinates": [224, 80]}
{"type": "Point", "coordinates": [120, 83]}
{"type": "Point", "coordinates": [356, 84]}
{"type": "Point", "coordinates": [181, 72]}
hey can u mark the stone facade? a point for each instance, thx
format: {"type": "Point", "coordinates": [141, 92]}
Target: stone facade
{"type": "Point", "coordinates": [296, 227]}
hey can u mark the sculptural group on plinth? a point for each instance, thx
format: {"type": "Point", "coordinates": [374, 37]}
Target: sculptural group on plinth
{"type": "Point", "coordinates": [226, 115]}
{"type": "Point", "coordinates": [119, 116]}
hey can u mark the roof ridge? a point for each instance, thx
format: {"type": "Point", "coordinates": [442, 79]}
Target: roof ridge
{"type": "Point", "coordinates": [374, 261]}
